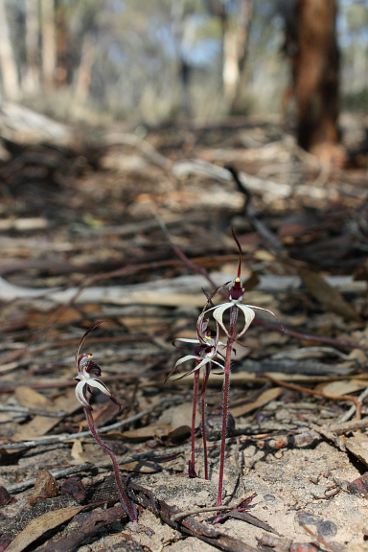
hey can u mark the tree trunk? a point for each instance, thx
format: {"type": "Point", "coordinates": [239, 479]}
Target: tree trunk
{"type": "Point", "coordinates": [317, 80]}
{"type": "Point", "coordinates": [9, 74]}
{"type": "Point", "coordinates": [31, 82]}
{"type": "Point", "coordinates": [48, 42]}
{"type": "Point", "coordinates": [64, 57]}
{"type": "Point", "coordinates": [235, 45]}
{"type": "Point", "coordinates": [84, 73]}
{"type": "Point", "coordinates": [184, 68]}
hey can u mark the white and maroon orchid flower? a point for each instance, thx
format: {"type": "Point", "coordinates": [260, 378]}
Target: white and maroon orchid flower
{"type": "Point", "coordinates": [206, 351]}
{"type": "Point", "coordinates": [88, 377]}
{"type": "Point", "coordinates": [88, 372]}
{"type": "Point", "coordinates": [236, 294]}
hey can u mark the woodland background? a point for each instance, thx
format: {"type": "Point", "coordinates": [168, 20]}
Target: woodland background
{"type": "Point", "coordinates": [150, 62]}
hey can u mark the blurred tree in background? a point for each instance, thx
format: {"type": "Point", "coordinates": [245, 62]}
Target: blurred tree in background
{"type": "Point", "coordinates": [315, 71]}
{"type": "Point", "coordinates": [163, 59]}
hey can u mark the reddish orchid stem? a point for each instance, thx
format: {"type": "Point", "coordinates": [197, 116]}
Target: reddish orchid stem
{"type": "Point", "coordinates": [225, 401]}
{"type": "Point", "coordinates": [203, 413]}
{"type": "Point", "coordinates": [127, 504]}
{"type": "Point", "coordinates": [191, 466]}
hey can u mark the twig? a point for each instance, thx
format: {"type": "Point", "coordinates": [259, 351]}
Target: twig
{"type": "Point", "coordinates": [63, 438]}
{"type": "Point", "coordinates": [329, 436]}
{"type": "Point", "coordinates": [304, 336]}
{"type": "Point", "coordinates": [34, 411]}
{"type": "Point", "coordinates": [183, 515]}
{"type": "Point", "coordinates": [266, 234]}
{"type": "Point", "coordinates": [308, 391]}
{"type": "Point", "coordinates": [341, 428]}
{"type": "Point", "coordinates": [351, 410]}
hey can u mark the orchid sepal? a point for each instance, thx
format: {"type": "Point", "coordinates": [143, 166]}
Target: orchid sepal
{"type": "Point", "coordinates": [85, 383]}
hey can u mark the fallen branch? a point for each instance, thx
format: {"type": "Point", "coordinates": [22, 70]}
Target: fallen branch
{"type": "Point", "coordinates": [167, 291]}
{"type": "Point", "coordinates": [199, 529]}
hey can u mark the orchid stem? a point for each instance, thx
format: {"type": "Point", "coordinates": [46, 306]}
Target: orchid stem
{"type": "Point", "coordinates": [127, 504]}
{"type": "Point", "coordinates": [191, 470]}
{"type": "Point", "coordinates": [203, 412]}
{"type": "Point", "coordinates": [225, 401]}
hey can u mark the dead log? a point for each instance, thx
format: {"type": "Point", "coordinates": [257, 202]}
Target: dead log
{"type": "Point", "coordinates": [22, 125]}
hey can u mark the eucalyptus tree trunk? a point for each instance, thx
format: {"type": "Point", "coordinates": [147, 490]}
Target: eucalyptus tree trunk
{"type": "Point", "coordinates": [31, 81]}
{"type": "Point", "coordinates": [84, 72]}
{"type": "Point", "coordinates": [48, 34]}
{"type": "Point", "coordinates": [235, 39]}
{"type": "Point", "coordinates": [316, 68]}
{"type": "Point", "coordinates": [183, 67]}
{"type": "Point", "coordinates": [8, 67]}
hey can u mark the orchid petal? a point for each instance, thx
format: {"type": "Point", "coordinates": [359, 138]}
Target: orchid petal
{"type": "Point", "coordinates": [200, 319]}
{"type": "Point", "coordinates": [80, 393]}
{"type": "Point", "coordinates": [218, 314]}
{"type": "Point", "coordinates": [181, 376]}
{"type": "Point", "coordinates": [218, 364]}
{"type": "Point", "coordinates": [207, 310]}
{"type": "Point", "coordinates": [187, 340]}
{"type": "Point", "coordinates": [263, 309]}
{"type": "Point", "coordinates": [185, 359]}
{"type": "Point", "coordinates": [99, 385]}
{"type": "Point", "coordinates": [203, 362]}
{"type": "Point", "coordinates": [249, 315]}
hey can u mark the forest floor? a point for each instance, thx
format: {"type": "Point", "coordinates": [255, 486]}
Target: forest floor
{"type": "Point", "coordinates": [95, 232]}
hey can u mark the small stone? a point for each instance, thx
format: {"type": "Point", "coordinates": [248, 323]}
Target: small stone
{"type": "Point", "coordinates": [269, 498]}
{"type": "Point", "coordinates": [359, 486]}
{"type": "Point", "coordinates": [326, 528]}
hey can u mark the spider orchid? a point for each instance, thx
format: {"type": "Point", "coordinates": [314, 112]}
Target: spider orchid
{"type": "Point", "coordinates": [88, 377]}
{"type": "Point", "coordinates": [234, 302]}
{"type": "Point", "coordinates": [205, 355]}
{"type": "Point", "coordinates": [232, 330]}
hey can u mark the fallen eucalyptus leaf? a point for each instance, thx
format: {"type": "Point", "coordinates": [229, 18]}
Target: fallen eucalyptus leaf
{"type": "Point", "coordinates": [37, 527]}
{"type": "Point", "coordinates": [263, 399]}
{"type": "Point", "coordinates": [327, 295]}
